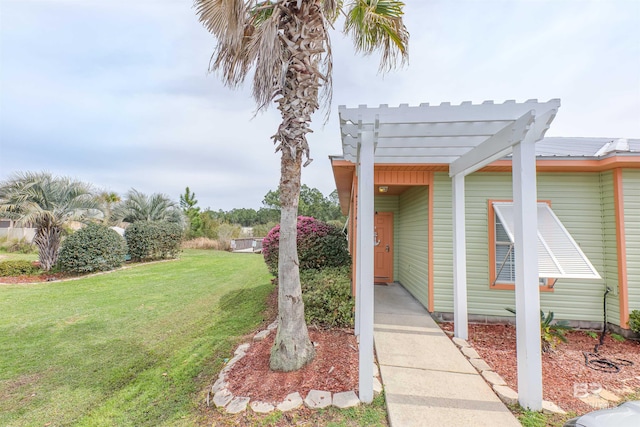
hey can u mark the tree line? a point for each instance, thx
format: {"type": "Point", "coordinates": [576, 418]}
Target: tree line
{"type": "Point", "coordinates": [51, 203]}
{"type": "Point", "coordinates": [208, 223]}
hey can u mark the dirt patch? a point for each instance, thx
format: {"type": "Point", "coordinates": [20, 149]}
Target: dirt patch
{"type": "Point", "coordinates": [564, 373]}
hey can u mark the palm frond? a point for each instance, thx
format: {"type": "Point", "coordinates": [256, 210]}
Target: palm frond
{"type": "Point", "coordinates": [377, 25]}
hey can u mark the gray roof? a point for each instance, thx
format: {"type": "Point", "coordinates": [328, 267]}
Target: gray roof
{"type": "Point", "coordinates": [584, 147]}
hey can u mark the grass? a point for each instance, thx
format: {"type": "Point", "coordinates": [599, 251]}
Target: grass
{"type": "Point", "coordinates": [538, 419]}
{"type": "Point", "coordinates": [130, 348]}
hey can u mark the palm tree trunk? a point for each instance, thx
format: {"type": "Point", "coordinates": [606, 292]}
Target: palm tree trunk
{"type": "Point", "coordinates": [303, 32]}
{"type": "Point", "coordinates": [292, 348]}
{"type": "Point", "coordinates": [47, 239]}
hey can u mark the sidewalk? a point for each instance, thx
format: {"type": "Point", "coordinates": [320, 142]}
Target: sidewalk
{"type": "Point", "coordinates": [427, 381]}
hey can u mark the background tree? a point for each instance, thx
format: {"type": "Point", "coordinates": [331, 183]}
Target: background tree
{"type": "Point", "coordinates": [188, 203]}
{"type": "Point", "coordinates": [287, 44]}
{"type": "Point", "coordinates": [138, 206]}
{"type": "Point", "coordinates": [107, 200]}
{"type": "Point", "coordinates": [47, 203]}
{"type": "Point", "coordinates": [311, 203]}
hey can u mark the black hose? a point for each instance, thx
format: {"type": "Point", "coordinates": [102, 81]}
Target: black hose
{"type": "Point", "coordinates": [604, 327]}
{"type": "Point", "coordinates": [593, 360]}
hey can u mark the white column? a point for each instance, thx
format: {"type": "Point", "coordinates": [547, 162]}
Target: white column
{"type": "Point", "coordinates": [459, 260]}
{"type": "Point", "coordinates": [527, 286]}
{"type": "Point", "coordinates": [358, 249]}
{"type": "Point", "coordinates": [365, 260]}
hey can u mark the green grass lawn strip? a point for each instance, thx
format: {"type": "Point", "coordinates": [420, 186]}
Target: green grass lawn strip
{"type": "Point", "coordinates": [125, 348]}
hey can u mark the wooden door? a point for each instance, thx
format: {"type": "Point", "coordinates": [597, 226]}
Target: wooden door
{"type": "Point", "coordinates": [383, 249]}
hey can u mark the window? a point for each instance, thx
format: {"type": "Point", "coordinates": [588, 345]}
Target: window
{"type": "Point", "coordinates": [559, 256]}
{"type": "Point", "coordinates": [502, 256]}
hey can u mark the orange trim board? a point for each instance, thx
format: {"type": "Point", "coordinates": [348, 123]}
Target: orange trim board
{"type": "Point", "coordinates": [492, 251]}
{"type": "Point", "coordinates": [621, 248]}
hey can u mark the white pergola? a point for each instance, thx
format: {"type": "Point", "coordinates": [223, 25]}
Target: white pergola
{"type": "Point", "coordinates": [467, 137]}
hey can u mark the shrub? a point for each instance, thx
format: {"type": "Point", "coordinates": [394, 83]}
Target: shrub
{"type": "Point", "coordinates": [92, 248]}
{"type": "Point", "coordinates": [22, 247]}
{"type": "Point", "coordinates": [17, 268]}
{"type": "Point", "coordinates": [550, 333]}
{"type": "Point", "coordinates": [320, 245]}
{"type": "Point", "coordinates": [634, 321]}
{"type": "Point", "coordinates": [153, 240]}
{"type": "Point", "coordinates": [327, 297]}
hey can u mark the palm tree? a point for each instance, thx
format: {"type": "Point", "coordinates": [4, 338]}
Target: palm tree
{"type": "Point", "coordinates": [107, 200]}
{"type": "Point", "coordinates": [138, 206]}
{"type": "Point", "coordinates": [286, 43]}
{"type": "Point", "coordinates": [47, 203]}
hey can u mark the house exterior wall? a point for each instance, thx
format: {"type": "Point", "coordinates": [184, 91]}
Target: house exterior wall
{"type": "Point", "coordinates": [610, 272]}
{"type": "Point", "coordinates": [631, 191]}
{"type": "Point", "coordinates": [576, 200]}
{"type": "Point", "coordinates": [391, 204]}
{"type": "Point", "coordinates": [413, 242]}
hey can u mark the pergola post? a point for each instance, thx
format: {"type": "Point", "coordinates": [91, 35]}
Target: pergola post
{"type": "Point", "coordinates": [527, 282]}
{"type": "Point", "coordinates": [358, 263]}
{"type": "Point", "coordinates": [459, 259]}
{"type": "Point", "coordinates": [365, 251]}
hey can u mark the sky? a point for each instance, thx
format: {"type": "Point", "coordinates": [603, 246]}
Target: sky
{"type": "Point", "coordinates": [117, 93]}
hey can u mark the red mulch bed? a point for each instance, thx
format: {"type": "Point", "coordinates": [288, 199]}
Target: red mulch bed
{"type": "Point", "coordinates": [334, 369]}
{"type": "Point", "coordinates": [562, 368]}
{"type": "Point", "coordinates": [44, 277]}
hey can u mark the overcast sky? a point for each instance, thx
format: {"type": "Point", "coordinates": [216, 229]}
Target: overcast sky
{"type": "Point", "coordinates": [117, 93]}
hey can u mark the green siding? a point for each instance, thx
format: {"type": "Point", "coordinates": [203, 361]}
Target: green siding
{"type": "Point", "coordinates": [575, 198]}
{"type": "Point", "coordinates": [413, 247]}
{"type": "Point", "coordinates": [610, 250]}
{"type": "Point", "coordinates": [631, 191]}
{"type": "Point", "coordinates": [390, 204]}
{"type": "Point", "coordinates": [442, 243]}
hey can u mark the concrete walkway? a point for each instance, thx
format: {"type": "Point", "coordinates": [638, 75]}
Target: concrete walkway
{"type": "Point", "coordinates": [427, 381]}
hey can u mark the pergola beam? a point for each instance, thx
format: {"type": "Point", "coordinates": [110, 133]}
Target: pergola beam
{"type": "Point", "coordinates": [494, 148]}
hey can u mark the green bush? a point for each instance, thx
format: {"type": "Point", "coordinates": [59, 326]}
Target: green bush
{"type": "Point", "coordinates": [320, 245]}
{"type": "Point", "coordinates": [92, 248]}
{"type": "Point", "coordinates": [153, 240]}
{"type": "Point", "coordinates": [327, 297]}
{"type": "Point", "coordinates": [17, 268]}
{"type": "Point", "coordinates": [634, 321]}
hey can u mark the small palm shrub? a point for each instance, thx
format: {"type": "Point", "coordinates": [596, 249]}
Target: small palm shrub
{"type": "Point", "coordinates": [92, 248]}
{"type": "Point", "coordinates": [550, 333]}
{"type": "Point", "coordinates": [17, 268]}
{"type": "Point", "coordinates": [149, 240]}
{"type": "Point", "coordinates": [634, 321]}
{"type": "Point", "coordinates": [327, 297]}
{"type": "Point", "coordinates": [320, 245]}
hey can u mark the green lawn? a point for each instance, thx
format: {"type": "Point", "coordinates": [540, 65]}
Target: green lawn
{"type": "Point", "coordinates": [129, 348]}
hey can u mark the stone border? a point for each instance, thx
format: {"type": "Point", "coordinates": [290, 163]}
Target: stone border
{"type": "Point", "coordinates": [315, 399]}
{"type": "Point", "coordinates": [497, 383]}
